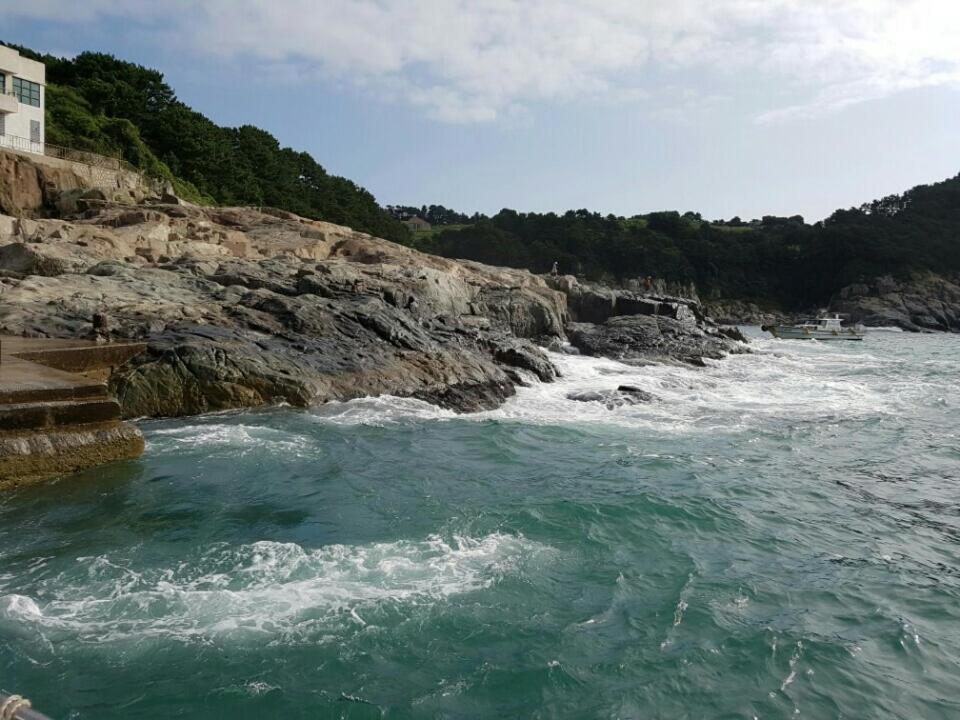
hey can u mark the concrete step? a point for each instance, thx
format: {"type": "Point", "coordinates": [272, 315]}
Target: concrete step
{"type": "Point", "coordinates": [29, 416]}
{"type": "Point", "coordinates": [80, 391]}
{"type": "Point", "coordinates": [22, 381]}
{"type": "Point", "coordinates": [76, 359]}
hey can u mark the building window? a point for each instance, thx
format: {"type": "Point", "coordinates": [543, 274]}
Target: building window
{"type": "Point", "coordinates": [3, 124]}
{"type": "Point", "coordinates": [35, 131]}
{"type": "Point", "coordinates": [27, 92]}
{"type": "Point", "coordinates": [3, 84]}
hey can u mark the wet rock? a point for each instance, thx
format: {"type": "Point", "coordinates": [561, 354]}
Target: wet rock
{"type": "Point", "coordinates": [639, 394]}
{"type": "Point", "coordinates": [241, 308]}
{"type": "Point", "coordinates": [734, 333]}
{"type": "Point", "coordinates": [525, 355]}
{"type": "Point", "coordinates": [625, 395]}
{"type": "Point", "coordinates": [645, 338]}
{"type": "Point", "coordinates": [306, 321]}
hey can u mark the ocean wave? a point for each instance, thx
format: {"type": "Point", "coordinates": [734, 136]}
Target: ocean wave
{"type": "Point", "coordinates": [777, 380]}
{"type": "Point", "coordinates": [380, 411]}
{"type": "Point", "coordinates": [219, 431]}
{"type": "Point", "coordinates": [739, 391]}
{"type": "Point", "coordinates": [276, 590]}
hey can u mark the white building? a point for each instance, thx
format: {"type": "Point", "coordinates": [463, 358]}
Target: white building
{"type": "Point", "coordinates": [21, 101]}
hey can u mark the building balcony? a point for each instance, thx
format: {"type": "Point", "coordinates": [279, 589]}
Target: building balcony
{"type": "Point", "coordinates": [8, 104]}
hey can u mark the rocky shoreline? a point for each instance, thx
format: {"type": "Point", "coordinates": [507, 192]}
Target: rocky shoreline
{"type": "Point", "coordinates": [922, 303]}
{"type": "Point", "coordinates": [242, 308]}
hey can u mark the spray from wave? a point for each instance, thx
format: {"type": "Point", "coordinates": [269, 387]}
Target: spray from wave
{"type": "Point", "coordinates": [278, 590]}
{"type": "Point", "coordinates": [812, 382]}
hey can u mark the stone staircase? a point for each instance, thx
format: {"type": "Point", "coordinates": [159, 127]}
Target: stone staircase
{"type": "Point", "coordinates": [54, 422]}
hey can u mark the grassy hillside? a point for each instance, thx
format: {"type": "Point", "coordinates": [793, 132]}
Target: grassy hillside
{"type": "Point", "coordinates": [99, 103]}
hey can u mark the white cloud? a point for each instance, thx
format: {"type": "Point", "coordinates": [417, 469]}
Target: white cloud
{"type": "Point", "coordinates": [476, 60]}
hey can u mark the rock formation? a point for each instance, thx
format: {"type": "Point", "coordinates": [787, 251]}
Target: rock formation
{"type": "Point", "coordinates": [624, 395]}
{"type": "Point", "coordinates": [630, 326]}
{"type": "Point", "coordinates": [742, 312]}
{"type": "Point", "coordinates": [241, 307]}
{"type": "Point", "coordinates": [32, 185]}
{"type": "Point", "coordinates": [922, 303]}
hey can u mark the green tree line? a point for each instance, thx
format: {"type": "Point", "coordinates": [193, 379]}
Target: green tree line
{"type": "Point", "coordinates": [99, 103]}
{"type": "Point", "coordinates": [779, 261]}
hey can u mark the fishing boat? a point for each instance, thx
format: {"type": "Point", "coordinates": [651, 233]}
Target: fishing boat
{"type": "Point", "coordinates": [825, 328]}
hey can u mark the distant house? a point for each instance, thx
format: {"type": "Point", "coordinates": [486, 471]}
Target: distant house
{"type": "Point", "coordinates": [417, 224]}
{"type": "Point", "coordinates": [21, 101]}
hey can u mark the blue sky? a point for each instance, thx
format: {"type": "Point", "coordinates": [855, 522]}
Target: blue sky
{"type": "Point", "coordinates": [725, 107]}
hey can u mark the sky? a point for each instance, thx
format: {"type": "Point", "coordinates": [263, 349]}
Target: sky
{"type": "Point", "coordinates": [723, 107]}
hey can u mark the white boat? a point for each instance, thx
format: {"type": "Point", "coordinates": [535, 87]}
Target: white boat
{"type": "Point", "coordinates": [825, 328]}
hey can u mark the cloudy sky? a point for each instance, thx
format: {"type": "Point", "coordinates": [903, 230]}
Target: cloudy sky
{"type": "Point", "coordinates": [726, 107]}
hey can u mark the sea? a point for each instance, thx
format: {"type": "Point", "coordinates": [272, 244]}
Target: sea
{"type": "Point", "coordinates": [776, 535]}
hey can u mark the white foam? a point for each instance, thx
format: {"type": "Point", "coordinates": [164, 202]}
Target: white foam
{"type": "Point", "coordinates": [779, 379]}
{"type": "Point", "coordinates": [278, 590]}
{"type": "Point", "coordinates": [739, 391]}
{"type": "Point", "coordinates": [241, 438]}
{"type": "Point", "coordinates": [380, 411]}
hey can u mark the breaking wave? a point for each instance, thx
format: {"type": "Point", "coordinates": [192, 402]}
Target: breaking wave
{"type": "Point", "coordinates": [269, 589]}
{"type": "Point", "coordinates": [777, 379]}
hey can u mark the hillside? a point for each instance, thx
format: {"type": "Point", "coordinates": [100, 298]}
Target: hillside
{"type": "Point", "coordinates": [778, 261]}
{"type": "Point", "coordinates": [99, 103]}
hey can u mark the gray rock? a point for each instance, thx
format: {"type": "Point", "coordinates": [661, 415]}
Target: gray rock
{"type": "Point", "coordinates": [29, 259]}
{"type": "Point", "coordinates": [625, 395]}
{"type": "Point", "coordinates": [922, 303]}
{"type": "Point", "coordinates": [640, 337]}
{"type": "Point", "coordinates": [241, 308]}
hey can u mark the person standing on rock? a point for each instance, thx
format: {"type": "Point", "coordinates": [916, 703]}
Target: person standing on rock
{"type": "Point", "coordinates": [555, 270]}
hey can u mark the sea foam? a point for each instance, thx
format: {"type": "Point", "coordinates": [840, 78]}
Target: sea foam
{"type": "Point", "coordinates": [801, 381]}
{"type": "Point", "coordinates": [276, 590]}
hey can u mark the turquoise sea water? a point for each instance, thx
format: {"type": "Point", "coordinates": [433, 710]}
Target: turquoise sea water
{"type": "Point", "coordinates": [777, 536]}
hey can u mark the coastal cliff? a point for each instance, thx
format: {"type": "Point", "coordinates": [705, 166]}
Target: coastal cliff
{"type": "Point", "coordinates": [241, 307]}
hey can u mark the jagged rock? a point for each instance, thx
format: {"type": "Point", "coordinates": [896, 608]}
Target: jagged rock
{"type": "Point", "coordinates": [734, 333]}
{"type": "Point", "coordinates": [922, 303]}
{"type": "Point", "coordinates": [312, 322]}
{"type": "Point", "coordinates": [594, 303]}
{"type": "Point", "coordinates": [29, 259]}
{"type": "Point", "coordinates": [524, 355]}
{"type": "Point", "coordinates": [741, 312]}
{"type": "Point", "coordinates": [646, 338]}
{"type": "Point", "coordinates": [624, 395]}
{"type": "Point", "coordinates": [40, 186]}
{"type": "Point", "coordinates": [241, 308]}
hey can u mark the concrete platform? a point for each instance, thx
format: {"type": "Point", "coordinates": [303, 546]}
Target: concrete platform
{"type": "Point", "coordinates": [55, 412]}
{"type": "Point", "coordinates": [25, 381]}
{"type": "Point", "coordinates": [74, 356]}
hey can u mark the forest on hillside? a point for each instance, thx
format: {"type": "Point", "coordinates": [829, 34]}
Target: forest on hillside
{"type": "Point", "coordinates": [99, 103]}
{"type": "Point", "coordinates": [778, 261]}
